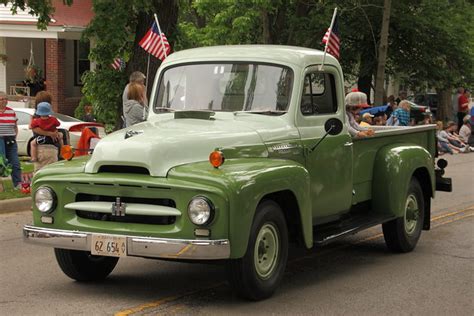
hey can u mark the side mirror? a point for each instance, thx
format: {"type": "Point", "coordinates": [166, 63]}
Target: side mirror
{"type": "Point", "coordinates": [333, 126]}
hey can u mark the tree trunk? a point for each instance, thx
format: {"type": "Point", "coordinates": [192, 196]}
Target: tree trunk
{"type": "Point", "coordinates": [168, 18]}
{"type": "Point", "coordinates": [364, 84]}
{"type": "Point", "coordinates": [382, 55]}
{"type": "Point", "coordinates": [266, 27]}
{"type": "Point", "coordinates": [445, 109]}
{"type": "Point", "coordinates": [302, 9]}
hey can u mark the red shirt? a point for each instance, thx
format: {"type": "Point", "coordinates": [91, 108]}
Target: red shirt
{"type": "Point", "coordinates": [48, 124]}
{"type": "Point", "coordinates": [463, 102]}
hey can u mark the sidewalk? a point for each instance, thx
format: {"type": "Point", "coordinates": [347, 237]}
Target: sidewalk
{"type": "Point", "coordinates": [15, 205]}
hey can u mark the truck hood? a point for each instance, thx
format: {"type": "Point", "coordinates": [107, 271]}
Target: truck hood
{"type": "Point", "coordinates": [164, 141]}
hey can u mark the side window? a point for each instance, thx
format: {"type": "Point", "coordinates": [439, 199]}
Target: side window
{"type": "Point", "coordinates": [23, 118]}
{"type": "Point", "coordinates": [319, 94]}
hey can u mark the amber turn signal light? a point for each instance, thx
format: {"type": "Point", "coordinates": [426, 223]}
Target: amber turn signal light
{"type": "Point", "coordinates": [216, 158]}
{"type": "Point", "coordinates": [67, 152]}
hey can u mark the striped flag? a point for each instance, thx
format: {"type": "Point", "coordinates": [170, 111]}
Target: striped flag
{"type": "Point", "coordinates": [118, 64]}
{"type": "Point", "coordinates": [155, 44]}
{"type": "Point", "coordinates": [331, 39]}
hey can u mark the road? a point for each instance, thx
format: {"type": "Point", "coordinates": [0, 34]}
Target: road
{"type": "Point", "coordinates": [355, 276]}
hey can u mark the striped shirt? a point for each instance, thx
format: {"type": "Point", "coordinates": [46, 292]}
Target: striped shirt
{"type": "Point", "coordinates": [8, 122]}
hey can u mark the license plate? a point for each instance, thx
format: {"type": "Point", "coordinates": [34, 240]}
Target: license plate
{"type": "Point", "coordinates": [112, 246]}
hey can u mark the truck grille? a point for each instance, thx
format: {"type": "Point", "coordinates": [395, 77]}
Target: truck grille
{"type": "Point", "coordinates": [138, 219]}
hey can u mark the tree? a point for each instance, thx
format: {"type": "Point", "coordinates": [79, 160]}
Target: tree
{"type": "Point", "coordinates": [42, 8]}
{"type": "Point", "coordinates": [433, 46]}
{"type": "Point", "coordinates": [116, 33]}
{"type": "Point", "coordinates": [430, 43]}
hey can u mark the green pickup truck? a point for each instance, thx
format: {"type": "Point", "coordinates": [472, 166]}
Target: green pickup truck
{"type": "Point", "coordinates": [244, 152]}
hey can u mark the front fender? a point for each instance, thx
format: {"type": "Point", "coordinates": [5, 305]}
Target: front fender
{"type": "Point", "coordinates": [245, 182]}
{"type": "Point", "coordinates": [393, 168]}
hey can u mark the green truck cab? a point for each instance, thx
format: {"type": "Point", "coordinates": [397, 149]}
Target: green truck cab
{"type": "Point", "coordinates": [244, 152]}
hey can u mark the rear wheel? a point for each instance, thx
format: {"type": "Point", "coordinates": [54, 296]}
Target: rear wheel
{"type": "Point", "coordinates": [258, 273]}
{"type": "Point", "coordinates": [402, 234]}
{"type": "Point", "coordinates": [82, 266]}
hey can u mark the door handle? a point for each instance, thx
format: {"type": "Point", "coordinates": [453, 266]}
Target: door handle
{"type": "Point", "coordinates": [348, 144]}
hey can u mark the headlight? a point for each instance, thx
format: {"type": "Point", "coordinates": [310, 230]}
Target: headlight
{"type": "Point", "coordinates": [45, 199]}
{"type": "Point", "coordinates": [200, 210]}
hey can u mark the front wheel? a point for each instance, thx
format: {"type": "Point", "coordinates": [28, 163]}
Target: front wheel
{"type": "Point", "coordinates": [82, 266]}
{"type": "Point", "coordinates": [258, 273]}
{"type": "Point", "coordinates": [402, 234]}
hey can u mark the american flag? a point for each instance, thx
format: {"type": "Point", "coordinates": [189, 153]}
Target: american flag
{"type": "Point", "coordinates": [152, 42]}
{"type": "Point", "coordinates": [118, 64]}
{"type": "Point", "coordinates": [333, 45]}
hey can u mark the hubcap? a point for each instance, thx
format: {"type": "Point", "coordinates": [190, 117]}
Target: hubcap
{"type": "Point", "coordinates": [412, 214]}
{"type": "Point", "coordinates": [267, 250]}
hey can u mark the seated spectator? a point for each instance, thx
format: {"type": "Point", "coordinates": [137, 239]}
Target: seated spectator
{"type": "Point", "coordinates": [355, 101]}
{"type": "Point", "coordinates": [465, 132]}
{"type": "Point", "coordinates": [402, 114]}
{"type": "Point", "coordinates": [427, 118]}
{"type": "Point", "coordinates": [45, 122]}
{"type": "Point", "coordinates": [380, 120]}
{"type": "Point", "coordinates": [443, 143]}
{"type": "Point", "coordinates": [453, 138]}
{"type": "Point", "coordinates": [88, 115]}
{"type": "Point", "coordinates": [366, 120]}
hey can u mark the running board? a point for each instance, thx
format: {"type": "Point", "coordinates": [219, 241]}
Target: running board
{"type": "Point", "coordinates": [327, 233]}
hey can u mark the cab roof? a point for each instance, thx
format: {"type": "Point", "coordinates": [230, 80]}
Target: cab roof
{"type": "Point", "coordinates": [299, 56]}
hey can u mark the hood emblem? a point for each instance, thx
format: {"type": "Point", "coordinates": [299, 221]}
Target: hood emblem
{"type": "Point", "coordinates": [118, 208]}
{"type": "Point", "coordinates": [132, 133]}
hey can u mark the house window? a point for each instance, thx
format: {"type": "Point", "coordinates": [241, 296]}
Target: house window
{"type": "Point", "coordinates": [81, 60]}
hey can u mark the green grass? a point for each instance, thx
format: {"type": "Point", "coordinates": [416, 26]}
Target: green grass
{"type": "Point", "coordinates": [8, 191]}
{"type": "Point", "coordinates": [26, 167]}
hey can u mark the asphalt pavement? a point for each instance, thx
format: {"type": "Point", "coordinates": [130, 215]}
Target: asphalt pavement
{"type": "Point", "coordinates": [355, 276]}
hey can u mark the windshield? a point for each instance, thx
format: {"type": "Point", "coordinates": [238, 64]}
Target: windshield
{"type": "Point", "coordinates": [225, 87]}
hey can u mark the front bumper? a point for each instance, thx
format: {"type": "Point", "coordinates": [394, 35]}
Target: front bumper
{"type": "Point", "coordinates": [137, 246]}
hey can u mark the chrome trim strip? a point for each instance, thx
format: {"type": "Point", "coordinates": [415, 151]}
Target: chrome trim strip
{"type": "Point", "coordinates": [137, 246]}
{"type": "Point", "coordinates": [131, 208]}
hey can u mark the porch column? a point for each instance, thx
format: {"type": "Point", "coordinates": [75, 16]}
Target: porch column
{"type": "Point", "coordinates": [55, 50]}
{"type": "Point", "coordinates": [3, 62]}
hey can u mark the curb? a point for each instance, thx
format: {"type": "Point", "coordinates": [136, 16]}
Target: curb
{"type": "Point", "coordinates": [15, 205]}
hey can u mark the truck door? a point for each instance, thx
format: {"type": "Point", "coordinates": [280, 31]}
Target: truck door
{"type": "Point", "coordinates": [330, 163]}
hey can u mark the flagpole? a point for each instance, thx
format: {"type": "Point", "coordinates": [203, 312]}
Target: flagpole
{"type": "Point", "coordinates": [147, 70]}
{"type": "Point", "coordinates": [161, 37]}
{"type": "Point", "coordinates": [329, 38]}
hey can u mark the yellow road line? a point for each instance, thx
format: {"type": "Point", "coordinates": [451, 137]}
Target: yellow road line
{"type": "Point", "coordinates": [434, 219]}
{"type": "Point", "coordinates": [453, 220]}
{"type": "Point", "coordinates": [165, 300]}
{"type": "Point", "coordinates": [160, 302]}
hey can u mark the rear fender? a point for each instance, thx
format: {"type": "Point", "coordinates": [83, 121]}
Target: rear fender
{"type": "Point", "coordinates": [394, 166]}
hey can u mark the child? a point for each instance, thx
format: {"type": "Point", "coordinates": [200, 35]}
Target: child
{"type": "Point", "coordinates": [46, 123]}
{"type": "Point", "coordinates": [402, 113]}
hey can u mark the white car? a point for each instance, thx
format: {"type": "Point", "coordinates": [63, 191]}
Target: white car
{"type": "Point", "coordinates": [71, 124]}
